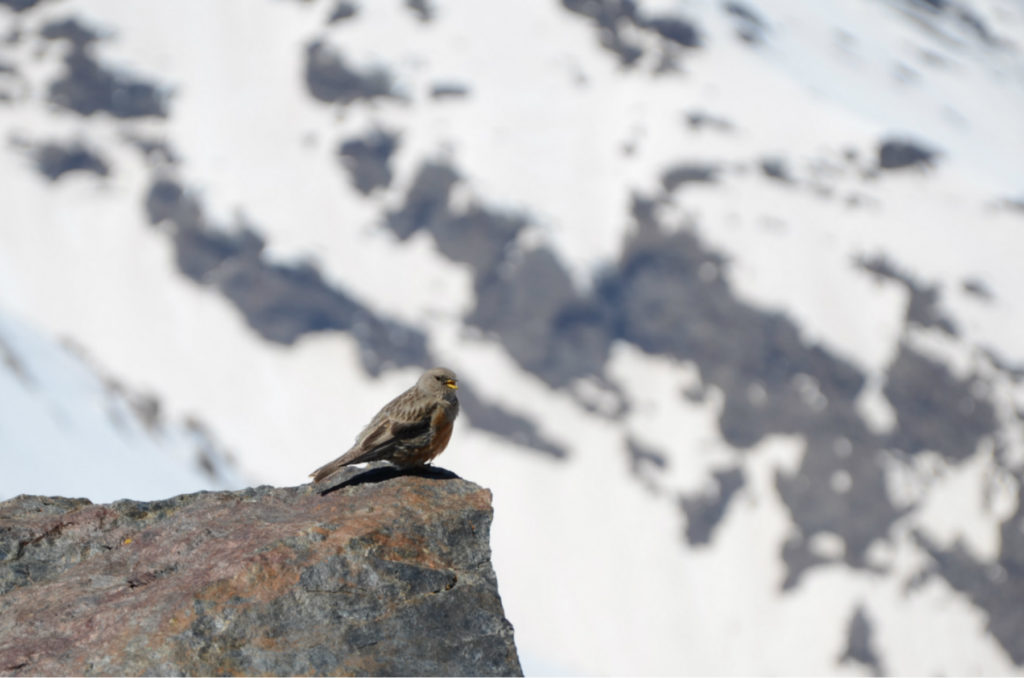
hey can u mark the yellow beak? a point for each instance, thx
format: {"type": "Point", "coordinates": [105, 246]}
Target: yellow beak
{"type": "Point", "coordinates": [451, 384]}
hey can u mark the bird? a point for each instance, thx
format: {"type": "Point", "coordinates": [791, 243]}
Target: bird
{"type": "Point", "coordinates": [410, 430]}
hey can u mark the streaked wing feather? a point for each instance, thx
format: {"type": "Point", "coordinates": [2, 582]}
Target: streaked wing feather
{"type": "Point", "coordinates": [404, 418]}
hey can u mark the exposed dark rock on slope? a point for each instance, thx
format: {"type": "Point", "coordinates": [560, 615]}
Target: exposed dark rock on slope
{"type": "Point", "coordinates": [860, 647]}
{"type": "Point", "coordinates": [368, 159]}
{"type": "Point", "coordinates": [281, 302]}
{"type": "Point", "coordinates": [331, 80]}
{"type": "Point", "coordinates": [88, 86]}
{"type": "Point", "coordinates": [616, 20]}
{"type": "Point", "coordinates": [896, 153]}
{"type": "Point", "coordinates": [54, 160]}
{"type": "Point", "coordinates": [385, 578]}
{"type": "Point", "coordinates": [924, 309]}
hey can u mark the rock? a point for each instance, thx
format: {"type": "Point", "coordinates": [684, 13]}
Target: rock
{"type": "Point", "coordinates": [896, 153]}
{"type": "Point", "coordinates": [388, 575]}
{"type": "Point", "coordinates": [54, 160]}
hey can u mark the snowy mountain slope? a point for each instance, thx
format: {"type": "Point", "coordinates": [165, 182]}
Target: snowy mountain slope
{"type": "Point", "coordinates": [733, 288]}
{"type": "Point", "coordinates": [67, 430]}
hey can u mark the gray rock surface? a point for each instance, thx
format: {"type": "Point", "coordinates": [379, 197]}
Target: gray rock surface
{"type": "Point", "coordinates": [388, 575]}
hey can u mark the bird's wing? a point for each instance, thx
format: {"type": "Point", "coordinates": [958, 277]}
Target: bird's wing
{"type": "Point", "coordinates": [404, 419]}
{"type": "Point", "coordinates": [389, 433]}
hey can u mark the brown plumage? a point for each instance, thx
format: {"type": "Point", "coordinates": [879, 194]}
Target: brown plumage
{"type": "Point", "coordinates": [410, 430]}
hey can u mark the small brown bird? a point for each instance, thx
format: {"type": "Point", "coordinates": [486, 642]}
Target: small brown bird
{"type": "Point", "coordinates": [410, 430]}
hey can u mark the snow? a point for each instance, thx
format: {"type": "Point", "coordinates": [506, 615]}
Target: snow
{"type": "Point", "coordinates": [955, 509]}
{"type": "Point", "coordinates": [898, 611]}
{"type": "Point", "coordinates": [64, 431]}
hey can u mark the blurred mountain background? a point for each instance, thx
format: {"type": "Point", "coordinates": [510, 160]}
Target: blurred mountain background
{"type": "Point", "coordinates": [734, 290]}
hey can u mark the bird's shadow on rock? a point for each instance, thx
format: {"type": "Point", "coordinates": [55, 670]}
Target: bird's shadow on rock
{"type": "Point", "coordinates": [381, 473]}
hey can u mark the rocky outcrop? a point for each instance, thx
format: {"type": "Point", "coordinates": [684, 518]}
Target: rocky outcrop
{"type": "Point", "coordinates": [388, 574]}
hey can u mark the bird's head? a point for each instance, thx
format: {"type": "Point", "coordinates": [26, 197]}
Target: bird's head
{"type": "Point", "coordinates": [438, 380]}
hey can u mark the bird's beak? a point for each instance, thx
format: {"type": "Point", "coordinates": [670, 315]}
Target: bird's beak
{"type": "Point", "coordinates": [451, 384]}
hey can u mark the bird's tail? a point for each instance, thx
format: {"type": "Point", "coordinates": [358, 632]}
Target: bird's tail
{"type": "Point", "coordinates": [328, 469]}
